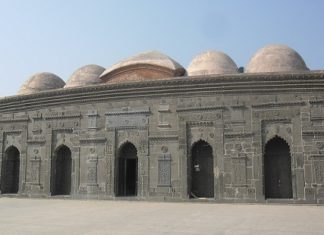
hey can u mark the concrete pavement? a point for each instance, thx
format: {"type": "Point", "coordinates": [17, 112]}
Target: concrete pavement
{"type": "Point", "coordinates": [45, 216]}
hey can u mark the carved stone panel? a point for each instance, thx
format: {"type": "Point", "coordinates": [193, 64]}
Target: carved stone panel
{"type": "Point", "coordinates": [35, 167]}
{"type": "Point", "coordinates": [164, 113]}
{"type": "Point", "coordinates": [92, 173]}
{"type": "Point", "coordinates": [319, 172]}
{"type": "Point", "coordinates": [239, 171]}
{"type": "Point", "coordinates": [92, 119]}
{"type": "Point", "coordinates": [136, 117]}
{"type": "Point", "coordinates": [164, 168]}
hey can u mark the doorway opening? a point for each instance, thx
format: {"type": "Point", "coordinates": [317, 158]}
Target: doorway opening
{"type": "Point", "coordinates": [61, 171]}
{"type": "Point", "coordinates": [10, 171]}
{"type": "Point", "coordinates": [201, 175]}
{"type": "Point", "coordinates": [127, 169]}
{"type": "Point", "coordinates": [277, 169]}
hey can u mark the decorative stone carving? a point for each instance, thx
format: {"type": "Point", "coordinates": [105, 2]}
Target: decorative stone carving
{"type": "Point", "coordinates": [109, 147]}
{"type": "Point", "coordinates": [62, 115]}
{"type": "Point", "coordinates": [319, 171]}
{"type": "Point", "coordinates": [92, 140]}
{"type": "Point", "coordinates": [92, 119]}
{"type": "Point", "coordinates": [164, 112]}
{"type": "Point", "coordinates": [92, 169]}
{"type": "Point", "coordinates": [239, 171]}
{"type": "Point", "coordinates": [164, 168]}
{"type": "Point", "coordinates": [134, 117]}
{"type": "Point", "coordinates": [200, 109]}
{"type": "Point", "coordinates": [35, 165]}
{"type": "Point", "coordinates": [278, 104]}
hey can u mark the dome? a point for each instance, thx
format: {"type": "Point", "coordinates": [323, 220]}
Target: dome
{"type": "Point", "coordinates": [144, 66]}
{"type": "Point", "coordinates": [86, 75]}
{"type": "Point", "coordinates": [276, 58]}
{"type": "Point", "coordinates": [211, 62]}
{"type": "Point", "coordinates": [41, 82]}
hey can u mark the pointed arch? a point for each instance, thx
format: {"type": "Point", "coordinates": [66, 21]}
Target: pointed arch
{"type": "Point", "coordinates": [126, 170]}
{"type": "Point", "coordinates": [10, 170]}
{"type": "Point", "coordinates": [277, 169]}
{"type": "Point", "coordinates": [201, 170]}
{"type": "Point", "coordinates": [61, 170]}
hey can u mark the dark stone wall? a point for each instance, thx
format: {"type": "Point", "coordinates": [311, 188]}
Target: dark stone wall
{"type": "Point", "coordinates": [163, 130]}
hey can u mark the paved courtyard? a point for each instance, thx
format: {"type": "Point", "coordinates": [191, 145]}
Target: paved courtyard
{"type": "Point", "coordinates": [43, 216]}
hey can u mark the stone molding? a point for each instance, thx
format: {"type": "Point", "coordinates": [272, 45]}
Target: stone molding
{"type": "Point", "coordinates": [198, 108]}
{"type": "Point", "coordinates": [238, 135]}
{"type": "Point", "coordinates": [94, 140]}
{"type": "Point", "coordinates": [278, 104]}
{"type": "Point", "coordinates": [313, 133]}
{"type": "Point", "coordinates": [62, 115]}
{"type": "Point", "coordinates": [184, 86]}
{"type": "Point", "coordinates": [163, 138]}
{"type": "Point", "coordinates": [129, 111]}
{"type": "Point", "coordinates": [200, 123]}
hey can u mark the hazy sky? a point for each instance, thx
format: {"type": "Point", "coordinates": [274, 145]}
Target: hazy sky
{"type": "Point", "coordinates": [60, 36]}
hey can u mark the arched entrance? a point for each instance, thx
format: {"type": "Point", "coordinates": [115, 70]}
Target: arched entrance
{"type": "Point", "coordinates": [10, 171]}
{"type": "Point", "coordinates": [201, 182]}
{"type": "Point", "coordinates": [61, 171]}
{"type": "Point", "coordinates": [127, 170]}
{"type": "Point", "coordinates": [277, 169]}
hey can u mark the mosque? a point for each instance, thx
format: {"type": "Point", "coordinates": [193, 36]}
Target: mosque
{"type": "Point", "coordinates": [146, 128]}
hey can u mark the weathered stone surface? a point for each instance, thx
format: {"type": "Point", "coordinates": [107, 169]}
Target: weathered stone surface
{"type": "Point", "coordinates": [211, 62]}
{"type": "Point", "coordinates": [86, 75]}
{"type": "Point", "coordinates": [41, 82]}
{"type": "Point", "coordinates": [234, 116]}
{"type": "Point", "coordinates": [276, 58]}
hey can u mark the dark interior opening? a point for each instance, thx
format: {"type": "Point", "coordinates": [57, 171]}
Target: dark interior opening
{"type": "Point", "coordinates": [201, 180]}
{"type": "Point", "coordinates": [277, 169]}
{"type": "Point", "coordinates": [61, 171]}
{"type": "Point", "coordinates": [127, 171]}
{"type": "Point", "coordinates": [10, 171]}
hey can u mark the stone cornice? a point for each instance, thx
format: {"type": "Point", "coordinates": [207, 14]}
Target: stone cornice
{"type": "Point", "coordinates": [183, 86]}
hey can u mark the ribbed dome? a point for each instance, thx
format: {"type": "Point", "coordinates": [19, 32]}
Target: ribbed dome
{"type": "Point", "coordinates": [144, 66]}
{"type": "Point", "coordinates": [276, 58]}
{"type": "Point", "coordinates": [41, 82]}
{"type": "Point", "coordinates": [211, 62]}
{"type": "Point", "coordinates": [86, 75]}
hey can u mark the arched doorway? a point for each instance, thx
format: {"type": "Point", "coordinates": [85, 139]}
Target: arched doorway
{"type": "Point", "coordinates": [61, 171]}
{"type": "Point", "coordinates": [127, 170]}
{"type": "Point", "coordinates": [277, 169]}
{"type": "Point", "coordinates": [201, 182]}
{"type": "Point", "coordinates": [10, 171]}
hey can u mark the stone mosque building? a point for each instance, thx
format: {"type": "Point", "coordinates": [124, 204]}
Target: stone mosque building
{"type": "Point", "coordinates": [149, 129]}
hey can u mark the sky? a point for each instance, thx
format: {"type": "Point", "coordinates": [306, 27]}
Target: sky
{"type": "Point", "coordinates": [63, 35]}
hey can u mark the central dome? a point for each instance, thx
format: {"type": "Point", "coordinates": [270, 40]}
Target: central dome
{"type": "Point", "coordinates": [276, 58]}
{"type": "Point", "coordinates": [211, 62]}
{"type": "Point", "coordinates": [144, 66]}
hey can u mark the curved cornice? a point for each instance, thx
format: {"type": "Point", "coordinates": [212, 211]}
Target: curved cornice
{"type": "Point", "coordinates": [181, 86]}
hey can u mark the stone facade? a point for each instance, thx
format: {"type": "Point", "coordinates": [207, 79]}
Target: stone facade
{"type": "Point", "coordinates": [236, 115]}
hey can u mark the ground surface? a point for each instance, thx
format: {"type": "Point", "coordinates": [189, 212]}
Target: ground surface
{"type": "Point", "coordinates": [42, 216]}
